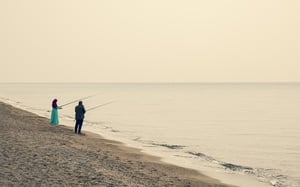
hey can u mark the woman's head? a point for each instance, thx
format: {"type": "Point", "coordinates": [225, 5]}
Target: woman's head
{"type": "Point", "coordinates": [54, 103]}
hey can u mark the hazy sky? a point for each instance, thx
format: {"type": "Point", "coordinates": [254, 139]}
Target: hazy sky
{"type": "Point", "coordinates": [149, 40]}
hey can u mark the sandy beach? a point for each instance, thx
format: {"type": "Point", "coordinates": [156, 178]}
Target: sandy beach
{"type": "Point", "coordinates": [35, 153]}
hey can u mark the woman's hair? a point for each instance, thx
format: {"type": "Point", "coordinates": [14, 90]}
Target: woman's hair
{"type": "Point", "coordinates": [54, 103]}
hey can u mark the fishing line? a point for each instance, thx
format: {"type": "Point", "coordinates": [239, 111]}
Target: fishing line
{"type": "Point", "coordinates": [98, 106]}
{"type": "Point", "coordinates": [78, 100]}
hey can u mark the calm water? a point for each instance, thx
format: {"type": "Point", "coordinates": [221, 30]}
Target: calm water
{"type": "Point", "coordinates": [243, 134]}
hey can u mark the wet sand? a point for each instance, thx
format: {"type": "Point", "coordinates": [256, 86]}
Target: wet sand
{"type": "Point", "coordinates": [35, 153]}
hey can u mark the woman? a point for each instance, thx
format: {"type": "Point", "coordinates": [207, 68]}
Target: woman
{"type": "Point", "coordinates": [54, 114]}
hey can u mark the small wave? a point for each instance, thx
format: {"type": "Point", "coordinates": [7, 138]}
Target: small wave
{"type": "Point", "coordinates": [235, 167]}
{"type": "Point", "coordinates": [204, 156]}
{"type": "Point", "coordinates": [170, 146]}
{"type": "Point", "coordinates": [270, 176]}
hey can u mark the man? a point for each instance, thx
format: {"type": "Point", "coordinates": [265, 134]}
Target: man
{"type": "Point", "coordinates": [79, 116]}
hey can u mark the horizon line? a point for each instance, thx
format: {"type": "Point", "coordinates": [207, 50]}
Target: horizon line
{"type": "Point", "coordinates": [167, 82]}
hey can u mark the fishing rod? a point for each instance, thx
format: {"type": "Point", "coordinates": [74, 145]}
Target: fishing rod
{"type": "Point", "coordinates": [77, 100]}
{"type": "Point", "coordinates": [93, 108]}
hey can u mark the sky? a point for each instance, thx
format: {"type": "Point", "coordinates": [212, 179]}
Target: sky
{"type": "Point", "coordinates": [150, 41]}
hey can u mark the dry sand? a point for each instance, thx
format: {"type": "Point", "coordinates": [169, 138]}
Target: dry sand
{"type": "Point", "coordinates": [35, 153]}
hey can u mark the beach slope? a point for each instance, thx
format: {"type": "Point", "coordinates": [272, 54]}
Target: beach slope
{"type": "Point", "coordinates": [34, 153]}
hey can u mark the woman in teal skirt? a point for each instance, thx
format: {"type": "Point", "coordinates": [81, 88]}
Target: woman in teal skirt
{"type": "Point", "coordinates": [54, 113]}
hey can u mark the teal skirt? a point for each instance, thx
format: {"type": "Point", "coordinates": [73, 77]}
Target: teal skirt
{"type": "Point", "coordinates": [54, 116]}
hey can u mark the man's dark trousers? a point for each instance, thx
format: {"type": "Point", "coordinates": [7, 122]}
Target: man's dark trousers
{"type": "Point", "coordinates": [78, 126]}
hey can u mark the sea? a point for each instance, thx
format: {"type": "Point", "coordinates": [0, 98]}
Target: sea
{"type": "Point", "coordinates": [245, 134]}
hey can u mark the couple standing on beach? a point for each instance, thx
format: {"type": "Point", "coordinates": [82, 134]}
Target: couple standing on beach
{"type": "Point", "coordinates": [79, 115]}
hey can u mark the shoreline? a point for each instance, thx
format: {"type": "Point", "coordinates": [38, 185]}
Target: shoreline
{"type": "Point", "coordinates": [36, 153]}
